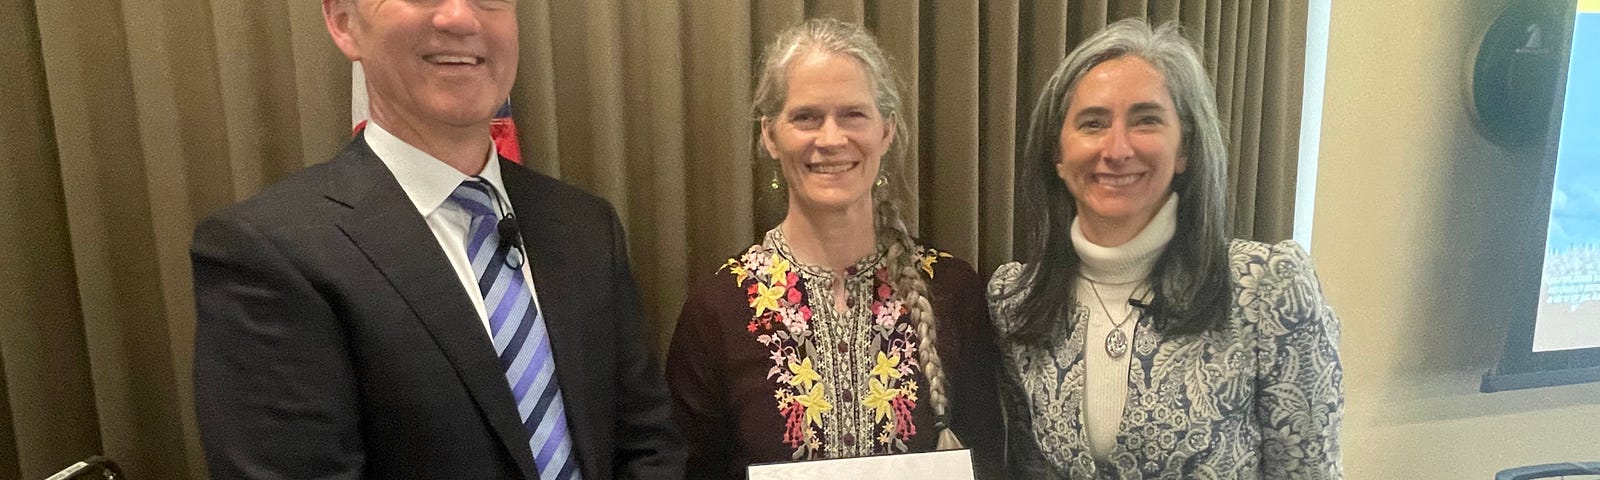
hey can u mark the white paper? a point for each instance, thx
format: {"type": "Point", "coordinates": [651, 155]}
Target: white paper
{"type": "Point", "coordinates": [940, 465]}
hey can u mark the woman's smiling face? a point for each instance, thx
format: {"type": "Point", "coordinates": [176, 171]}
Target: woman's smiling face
{"type": "Point", "coordinates": [1120, 145]}
{"type": "Point", "coordinates": [830, 137]}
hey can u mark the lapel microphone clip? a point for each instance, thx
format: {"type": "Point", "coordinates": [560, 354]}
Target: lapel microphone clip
{"type": "Point", "coordinates": [510, 237]}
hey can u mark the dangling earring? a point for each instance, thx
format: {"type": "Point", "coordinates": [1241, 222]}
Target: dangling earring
{"type": "Point", "coordinates": [882, 180]}
{"type": "Point", "coordinates": [776, 184]}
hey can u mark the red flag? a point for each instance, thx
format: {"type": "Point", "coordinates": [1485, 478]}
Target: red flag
{"type": "Point", "coordinates": [504, 132]}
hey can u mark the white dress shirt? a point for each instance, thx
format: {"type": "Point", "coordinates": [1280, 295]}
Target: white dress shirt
{"type": "Point", "coordinates": [428, 182]}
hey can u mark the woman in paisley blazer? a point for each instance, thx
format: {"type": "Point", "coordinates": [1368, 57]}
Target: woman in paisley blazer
{"type": "Point", "coordinates": [837, 335]}
{"type": "Point", "coordinates": [1140, 341]}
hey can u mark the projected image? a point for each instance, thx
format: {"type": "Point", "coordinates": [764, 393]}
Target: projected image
{"type": "Point", "coordinates": [1569, 306]}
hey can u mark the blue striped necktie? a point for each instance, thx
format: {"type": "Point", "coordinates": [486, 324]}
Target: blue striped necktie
{"type": "Point", "coordinates": [520, 337]}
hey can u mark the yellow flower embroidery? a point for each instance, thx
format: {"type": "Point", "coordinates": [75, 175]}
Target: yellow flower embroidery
{"type": "Point", "coordinates": [779, 271]}
{"type": "Point", "coordinates": [887, 367]}
{"type": "Point", "coordinates": [816, 403]}
{"type": "Point", "coordinates": [879, 398]}
{"type": "Point", "coordinates": [737, 268]}
{"type": "Point", "coordinates": [930, 258]}
{"type": "Point", "coordinates": [803, 373]}
{"type": "Point", "coordinates": [766, 299]}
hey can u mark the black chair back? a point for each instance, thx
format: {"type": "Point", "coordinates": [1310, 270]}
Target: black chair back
{"type": "Point", "coordinates": [1549, 470]}
{"type": "Point", "coordinates": [92, 468]}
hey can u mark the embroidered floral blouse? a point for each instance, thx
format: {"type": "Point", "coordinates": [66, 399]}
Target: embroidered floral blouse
{"type": "Point", "coordinates": [1259, 399]}
{"type": "Point", "coordinates": [765, 368]}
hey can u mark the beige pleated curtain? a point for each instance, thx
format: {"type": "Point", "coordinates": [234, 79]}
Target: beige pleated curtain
{"type": "Point", "coordinates": [127, 120]}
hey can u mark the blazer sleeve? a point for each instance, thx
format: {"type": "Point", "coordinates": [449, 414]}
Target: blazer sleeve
{"type": "Point", "coordinates": [1024, 459]}
{"type": "Point", "coordinates": [647, 442]}
{"type": "Point", "coordinates": [1300, 400]}
{"type": "Point", "coordinates": [275, 390]}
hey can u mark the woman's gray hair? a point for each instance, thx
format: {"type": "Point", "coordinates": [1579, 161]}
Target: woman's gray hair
{"type": "Point", "coordinates": [1190, 279]}
{"type": "Point", "coordinates": [833, 37]}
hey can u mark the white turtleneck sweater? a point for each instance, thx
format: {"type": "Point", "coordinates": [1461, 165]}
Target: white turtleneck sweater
{"type": "Point", "coordinates": [1119, 273]}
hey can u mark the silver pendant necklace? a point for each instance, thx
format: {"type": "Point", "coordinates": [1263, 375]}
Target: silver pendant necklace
{"type": "Point", "coordinates": [1116, 341]}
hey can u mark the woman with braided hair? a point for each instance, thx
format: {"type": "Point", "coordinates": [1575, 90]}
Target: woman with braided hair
{"type": "Point", "coordinates": [838, 335]}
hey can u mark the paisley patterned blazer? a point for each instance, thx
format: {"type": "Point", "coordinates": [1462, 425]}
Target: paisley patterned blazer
{"type": "Point", "coordinates": [1260, 398]}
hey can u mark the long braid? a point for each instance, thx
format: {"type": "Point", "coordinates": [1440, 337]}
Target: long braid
{"type": "Point", "coordinates": [912, 289]}
{"type": "Point", "coordinates": [834, 37]}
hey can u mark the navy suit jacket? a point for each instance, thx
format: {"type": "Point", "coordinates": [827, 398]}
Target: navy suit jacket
{"type": "Point", "coordinates": [335, 341]}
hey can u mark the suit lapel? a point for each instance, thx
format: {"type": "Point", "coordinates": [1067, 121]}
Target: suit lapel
{"type": "Point", "coordinates": [557, 282]}
{"type": "Point", "coordinates": [387, 228]}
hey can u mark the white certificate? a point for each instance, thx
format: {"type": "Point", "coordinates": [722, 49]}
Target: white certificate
{"type": "Point", "coordinates": [940, 465]}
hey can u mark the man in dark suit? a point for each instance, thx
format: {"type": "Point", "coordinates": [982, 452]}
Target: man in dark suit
{"type": "Point", "coordinates": [377, 316]}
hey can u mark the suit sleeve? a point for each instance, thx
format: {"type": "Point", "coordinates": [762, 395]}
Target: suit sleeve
{"type": "Point", "coordinates": [647, 443]}
{"type": "Point", "coordinates": [1300, 400]}
{"type": "Point", "coordinates": [1024, 458]}
{"type": "Point", "coordinates": [274, 386]}
{"type": "Point", "coordinates": [699, 395]}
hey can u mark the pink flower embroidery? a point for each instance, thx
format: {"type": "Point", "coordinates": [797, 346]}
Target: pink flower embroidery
{"type": "Point", "coordinates": [902, 416]}
{"type": "Point", "coordinates": [765, 273]}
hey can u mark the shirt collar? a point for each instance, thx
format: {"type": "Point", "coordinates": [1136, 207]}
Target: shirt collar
{"type": "Point", "coordinates": [427, 181]}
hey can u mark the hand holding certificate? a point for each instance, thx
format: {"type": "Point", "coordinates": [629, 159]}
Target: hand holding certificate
{"type": "Point", "coordinates": [940, 465]}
